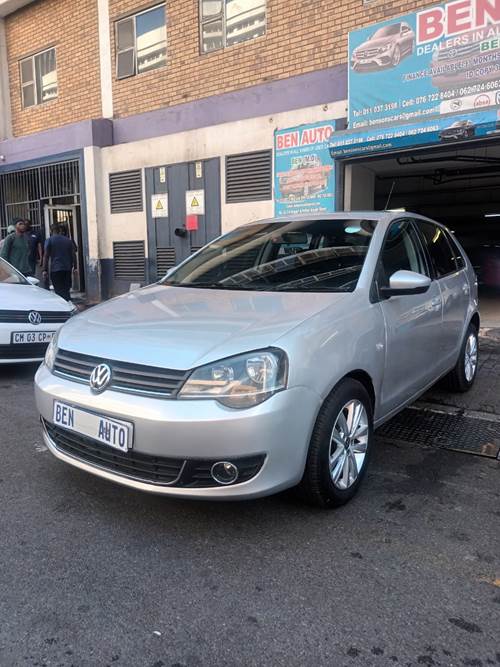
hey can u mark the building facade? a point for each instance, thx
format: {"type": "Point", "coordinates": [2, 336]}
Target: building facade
{"type": "Point", "coordinates": [115, 114]}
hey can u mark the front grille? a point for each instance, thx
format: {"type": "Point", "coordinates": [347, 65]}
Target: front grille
{"type": "Point", "coordinates": [459, 52]}
{"type": "Point", "coordinates": [21, 316]}
{"type": "Point", "coordinates": [28, 351]}
{"type": "Point", "coordinates": [370, 53]}
{"type": "Point", "coordinates": [185, 473]}
{"type": "Point", "coordinates": [126, 377]}
{"type": "Point", "coordinates": [151, 469]}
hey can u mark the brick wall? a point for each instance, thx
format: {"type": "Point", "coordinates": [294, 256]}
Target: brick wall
{"type": "Point", "coordinates": [72, 28]}
{"type": "Point", "coordinates": [302, 36]}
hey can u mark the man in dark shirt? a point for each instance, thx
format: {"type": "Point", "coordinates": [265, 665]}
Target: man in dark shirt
{"type": "Point", "coordinates": [60, 251]}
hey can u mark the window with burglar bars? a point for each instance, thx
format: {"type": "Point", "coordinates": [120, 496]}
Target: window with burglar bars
{"type": "Point", "coordinates": [141, 42]}
{"type": "Point", "coordinates": [228, 22]}
{"type": "Point", "coordinates": [38, 78]}
{"type": "Point", "coordinates": [249, 177]}
{"type": "Point", "coordinates": [23, 193]}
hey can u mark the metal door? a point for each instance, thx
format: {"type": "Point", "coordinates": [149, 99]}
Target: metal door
{"type": "Point", "coordinates": [169, 242]}
{"type": "Point", "coordinates": [69, 217]}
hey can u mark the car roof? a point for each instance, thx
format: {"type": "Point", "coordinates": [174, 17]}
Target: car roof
{"type": "Point", "coordinates": [379, 216]}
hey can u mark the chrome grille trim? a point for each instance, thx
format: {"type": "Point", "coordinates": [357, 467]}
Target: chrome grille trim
{"type": "Point", "coordinates": [126, 377]}
{"type": "Point", "coordinates": [21, 316]}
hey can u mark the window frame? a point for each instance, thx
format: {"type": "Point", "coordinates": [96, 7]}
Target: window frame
{"type": "Point", "coordinates": [375, 296]}
{"type": "Point", "coordinates": [133, 17]}
{"type": "Point", "coordinates": [33, 82]}
{"type": "Point", "coordinates": [223, 18]}
{"type": "Point", "coordinates": [423, 240]}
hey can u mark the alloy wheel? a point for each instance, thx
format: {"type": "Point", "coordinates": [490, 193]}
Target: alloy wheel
{"type": "Point", "coordinates": [348, 444]}
{"type": "Point", "coordinates": [470, 357]}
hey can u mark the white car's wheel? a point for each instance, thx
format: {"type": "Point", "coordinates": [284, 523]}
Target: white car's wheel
{"type": "Point", "coordinates": [340, 446]}
{"type": "Point", "coordinates": [463, 375]}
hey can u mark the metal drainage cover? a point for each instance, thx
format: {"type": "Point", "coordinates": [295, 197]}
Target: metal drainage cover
{"type": "Point", "coordinates": [457, 432]}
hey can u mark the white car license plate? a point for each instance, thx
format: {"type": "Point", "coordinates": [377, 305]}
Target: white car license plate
{"type": "Point", "coordinates": [112, 432]}
{"type": "Point", "coordinates": [26, 337]}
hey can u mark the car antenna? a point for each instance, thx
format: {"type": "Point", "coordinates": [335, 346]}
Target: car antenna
{"type": "Point", "coordinates": [390, 195]}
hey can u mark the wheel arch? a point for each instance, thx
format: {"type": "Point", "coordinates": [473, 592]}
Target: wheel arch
{"type": "Point", "coordinates": [476, 320]}
{"type": "Point", "coordinates": [365, 379]}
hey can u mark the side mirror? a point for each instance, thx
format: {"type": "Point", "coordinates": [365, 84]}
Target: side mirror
{"type": "Point", "coordinates": [405, 283]}
{"type": "Point", "coordinates": [32, 280]}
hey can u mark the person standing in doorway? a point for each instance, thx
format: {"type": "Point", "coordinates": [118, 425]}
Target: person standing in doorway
{"type": "Point", "coordinates": [60, 253]}
{"type": "Point", "coordinates": [16, 248]}
{"type": "Point", "coordinates": [35, 245]}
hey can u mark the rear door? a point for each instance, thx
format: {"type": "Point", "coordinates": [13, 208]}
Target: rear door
{"type": "Point", "coordinates": [413, 322]}
{"type": "Point", "coordinates": [449, 269]}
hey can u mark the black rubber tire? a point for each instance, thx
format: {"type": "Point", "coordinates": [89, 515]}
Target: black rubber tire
{"type": "Point", "coordinates": [396, 59]}
{"type": "Point", "coordinates": [316, 487]}
{"type": "Point", "coordinates": [456, 381]}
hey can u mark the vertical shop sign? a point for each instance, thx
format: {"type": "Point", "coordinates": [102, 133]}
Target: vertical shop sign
{"type": "Point", "coordinates": [304, 172]}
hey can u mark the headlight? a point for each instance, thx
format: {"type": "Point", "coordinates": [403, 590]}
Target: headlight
{"type": "Point", "coordinates": [50, 354]}
{"type": "Point", "coordinates": [384, 49]}
{"type": "Point", "coordinates": [240, 382]}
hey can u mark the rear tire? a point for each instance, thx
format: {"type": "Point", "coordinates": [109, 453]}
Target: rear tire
{"type": "Point", "coordinates": [463, 375]}
{"type": "Point", "coordinates": [340, 447]}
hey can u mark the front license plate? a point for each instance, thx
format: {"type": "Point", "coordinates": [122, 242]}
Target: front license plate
{"type": "Point", "coordinates": [112, 432]}
{"type": "Point", "coordinates": [26, 337]}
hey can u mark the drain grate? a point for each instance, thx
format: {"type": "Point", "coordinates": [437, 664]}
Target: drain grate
{"type": "Point", "coordinates": [457, 432]}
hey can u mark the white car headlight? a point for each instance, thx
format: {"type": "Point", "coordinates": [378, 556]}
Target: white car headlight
{"type": "Point", "coordinates": [50, 354]}
{"type": "Point", "coordinates": [240, 382]}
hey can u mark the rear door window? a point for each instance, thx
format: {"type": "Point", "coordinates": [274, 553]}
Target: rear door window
{"type": "Point", "coordinates": [441, 253]}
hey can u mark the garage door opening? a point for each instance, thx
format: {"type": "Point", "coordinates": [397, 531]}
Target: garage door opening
{"type": "Point", "coordinates": [457, 186]}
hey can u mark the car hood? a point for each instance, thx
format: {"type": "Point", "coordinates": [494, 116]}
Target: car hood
{"type": "Point", "coordinates": [29, 297]}
{"type": "Point", "coordinates": [181, 328]}
{"type": "Point", "coordinates": [378, 41]}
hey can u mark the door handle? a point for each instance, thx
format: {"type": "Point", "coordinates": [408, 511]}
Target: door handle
{"type": "Point", "coordinates": [465, 289]}
{"type": "Point", "coordinates": [436, 303]}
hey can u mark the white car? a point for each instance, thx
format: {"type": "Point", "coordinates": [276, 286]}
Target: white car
{"type": "Point", "coordinates": [29, 317]}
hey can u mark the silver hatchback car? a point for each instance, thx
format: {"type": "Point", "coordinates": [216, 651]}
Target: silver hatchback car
{"type": "Point", "coordinates": [264, 361]}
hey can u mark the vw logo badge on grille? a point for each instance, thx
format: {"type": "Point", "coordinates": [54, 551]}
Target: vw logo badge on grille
{"type": "Point", "coordinates": [34, 317]}
{"type": "Point", "coordinates": [100, 378]}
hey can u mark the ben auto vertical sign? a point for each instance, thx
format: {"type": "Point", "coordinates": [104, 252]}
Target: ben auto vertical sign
{"type": "Point", "coordinates": [304, 174]}
{"type": "Point", "coordinates": [439, 60]}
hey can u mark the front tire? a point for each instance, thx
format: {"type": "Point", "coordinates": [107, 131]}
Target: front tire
{"type": "Point", "coordinates": [396, 56]}
{"type": "Point", "coordinates": [340, 447]}
{"type": "Point", "coordinates": [463, 375]}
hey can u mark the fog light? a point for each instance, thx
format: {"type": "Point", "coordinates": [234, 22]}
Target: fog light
{"type": "Point", "coordinates": [224, 472]}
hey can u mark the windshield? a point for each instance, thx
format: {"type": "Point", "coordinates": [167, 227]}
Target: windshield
{"type": "Point", "coordinates": [9, 275]}
{"type": "Point", "coordinates": [387, 30]}
{"type": "Point", "coordinates": [303, 256]}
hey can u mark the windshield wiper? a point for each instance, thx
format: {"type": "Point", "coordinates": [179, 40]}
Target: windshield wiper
{"type": "Point", "coordinates": [220, 286]}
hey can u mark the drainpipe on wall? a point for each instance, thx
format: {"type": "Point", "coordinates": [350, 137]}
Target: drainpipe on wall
{"type": "Point", "coordinates": [5, 113]}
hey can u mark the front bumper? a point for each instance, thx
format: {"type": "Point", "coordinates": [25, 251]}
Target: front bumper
{"type": "Point", "coordinates": [279, 429]}
{"type": "Point", "coordinates": [23, 354]}
{"type": "Point", "coordinates": [372, 62]}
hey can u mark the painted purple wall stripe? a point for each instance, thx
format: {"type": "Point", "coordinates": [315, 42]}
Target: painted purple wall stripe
{"type": "Point", "coordinates": [321, 87]}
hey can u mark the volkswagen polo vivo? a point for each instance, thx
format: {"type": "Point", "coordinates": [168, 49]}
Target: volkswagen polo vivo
{"type": "Point", "coordinates": [264, 361]}
{"type": "Point", "coordinates": [29, 317]}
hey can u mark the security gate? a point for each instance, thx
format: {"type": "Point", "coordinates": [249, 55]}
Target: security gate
{"type": "Point", "coordinates": [25, 192]}
{"type": "Point", "coordinates": [169, 239]}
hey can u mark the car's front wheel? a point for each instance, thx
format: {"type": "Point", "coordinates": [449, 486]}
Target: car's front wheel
{"type": "Point", "coordinates": [340, 446]}
{"type": "Point", "coordinates": [396, 56]}
{"type": "Point", "coordinates": [463, 375]}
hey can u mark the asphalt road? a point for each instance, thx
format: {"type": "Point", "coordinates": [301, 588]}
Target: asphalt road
{"type": "Point", "coordinates": [92, 574]}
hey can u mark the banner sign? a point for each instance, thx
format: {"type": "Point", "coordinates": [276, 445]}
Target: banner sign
{"type": "Point", "coordinates": [439, 60]}
{"type": "Point", "coordinates": [304, 173]}
{"type": "Point", "coordinates": [436, 131]}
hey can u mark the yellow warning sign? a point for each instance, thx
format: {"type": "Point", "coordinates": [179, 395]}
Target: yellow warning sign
{"type": "Point", "coordinates": [159, 205]}
{"type": "Point", "coordinates": [195, 202]}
